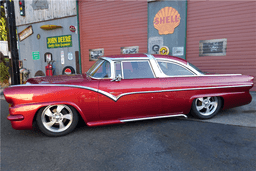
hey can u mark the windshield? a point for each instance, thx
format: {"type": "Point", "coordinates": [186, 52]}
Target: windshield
{"type": "Point", "coordinates": [101, 69]}
{"type": "Point", "coordinates": [93, 67]}
{"type": "Point", "coordinates": [197, 69]}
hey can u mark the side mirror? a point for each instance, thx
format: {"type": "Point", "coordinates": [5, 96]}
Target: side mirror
{"type": "Point", "coordinates": [118, 78]}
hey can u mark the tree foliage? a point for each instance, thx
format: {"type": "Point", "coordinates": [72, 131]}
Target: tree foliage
{"type": "Point", "coordinates": [3, 26]}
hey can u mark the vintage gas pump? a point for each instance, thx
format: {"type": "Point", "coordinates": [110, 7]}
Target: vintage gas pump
{"type": "Point", "coordinates": [48, 67]}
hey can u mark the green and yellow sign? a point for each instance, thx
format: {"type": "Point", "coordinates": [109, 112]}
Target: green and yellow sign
{"type": "Point", "coordinates": [59, 41]}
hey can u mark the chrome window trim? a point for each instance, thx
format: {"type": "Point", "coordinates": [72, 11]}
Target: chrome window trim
{"type": "Point", "coordinates": [115, 98]}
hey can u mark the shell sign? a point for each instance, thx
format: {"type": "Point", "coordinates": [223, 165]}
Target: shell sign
{"type": "Point", "coordinates": [166, 20]}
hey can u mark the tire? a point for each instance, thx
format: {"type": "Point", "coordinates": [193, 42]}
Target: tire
{"type": "Point", "coordinates": [71, 69]}
{"type": "Point", "coordinates": [206, 107]}
{"type": "Point", "coordinates": [57, 120]}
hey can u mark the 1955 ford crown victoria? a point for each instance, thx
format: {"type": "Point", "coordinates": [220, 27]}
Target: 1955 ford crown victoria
{"type": "Point", "coordinates": [123, 88]}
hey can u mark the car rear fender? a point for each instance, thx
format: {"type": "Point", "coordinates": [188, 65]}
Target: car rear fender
{"type": "Point", "coordinates": [228, 98]}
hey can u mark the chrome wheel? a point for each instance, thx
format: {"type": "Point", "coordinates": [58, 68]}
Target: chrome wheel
{"type": "Point", "coordinates": [57, 118]}
{"type": "Point", "coordinates": [206, 107]}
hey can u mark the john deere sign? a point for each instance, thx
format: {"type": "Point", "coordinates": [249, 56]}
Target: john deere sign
{"type": "Point", "coordinates": [59, 41]}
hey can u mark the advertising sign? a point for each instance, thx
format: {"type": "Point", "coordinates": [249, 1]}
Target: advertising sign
{"type": "Point", "coordinates": [35, 55]}
{"type": "Point", "coordinates": [166, 20]}
{"type": "Point", "coordinates": [59, 41]}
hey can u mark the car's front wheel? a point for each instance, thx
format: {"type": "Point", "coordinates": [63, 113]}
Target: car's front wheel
{"type": "Point", "coordinates": [206, 107]}
{"type": "Point", "coordinates": [57, 120]}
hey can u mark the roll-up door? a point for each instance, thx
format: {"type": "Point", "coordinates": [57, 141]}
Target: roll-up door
{"type": "Point", "coordinates": [234, 21]}
{"type": "Point", "coordinates": [110, 25]}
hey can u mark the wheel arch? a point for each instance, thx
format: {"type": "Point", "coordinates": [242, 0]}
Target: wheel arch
{"type": "Point", "coordinates": [220, 95]}
{"type": "Point", "coordinates": [76, 107]}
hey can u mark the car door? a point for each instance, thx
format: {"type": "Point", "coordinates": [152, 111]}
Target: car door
{"type": "Point", "coordinates": [136, 95]}
{"type": "Point", "coordinates": [175, 85]}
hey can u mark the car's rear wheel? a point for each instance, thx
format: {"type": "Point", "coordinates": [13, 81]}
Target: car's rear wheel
{"type": "Point", "coordinates": [57, 120]}
{"type": "Point", "coordinates": [206, 107]}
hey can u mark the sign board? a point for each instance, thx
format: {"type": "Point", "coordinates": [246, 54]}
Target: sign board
{"type": "Point", "coordinates": [214, 47]}
{"type": "Point", "coordinates": [166, 20]}
{"type": "Point", "coordinates": [62, 57]}
{"type": "Point", "coordinates": [130, 50]}
{"type": "Point", "coordinates": [94, 54]}
{"type": "Point", "coordinates": [25, 33]}
{"type": "Point", "coordinates": [35, 55]}
{"type": "Point", "coordinates": [164, 50]}
{"type": "Point", "coordinates": [59, 41]}
{"type": "Point", "coordinates": [154, 44]}
{"type": "Point", "coordinates": [177, 51]}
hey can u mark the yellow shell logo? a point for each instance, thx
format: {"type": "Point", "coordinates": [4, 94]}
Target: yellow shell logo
{"type": "Point", "coordinates": [166, 20]}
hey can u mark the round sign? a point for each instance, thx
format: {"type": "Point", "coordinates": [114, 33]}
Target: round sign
{"type": "Point", "coordinates": [67, 71]}
{"type": "Point", "coordinates": [38, 36]}
{"type": "Point", "coordinates": [70, 56]}
{"type": "Point", "coordinates": [164, 50]}
{"type": "Point", "coordinates": [72, 28]}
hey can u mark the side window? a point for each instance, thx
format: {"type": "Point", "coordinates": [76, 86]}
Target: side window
{"type": "Point", "coordinates": [137, 70]}
{"type": "Point", "coordinates": [103, 71]}
{"type": "Point", "coordinates": [172, 69]}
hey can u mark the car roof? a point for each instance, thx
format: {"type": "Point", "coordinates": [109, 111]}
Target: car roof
{"type": "Point", "coordinates": [145, 56]}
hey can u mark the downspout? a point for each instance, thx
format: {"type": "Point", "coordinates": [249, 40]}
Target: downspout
{"type": "Point", "coordinates": [78, 31]}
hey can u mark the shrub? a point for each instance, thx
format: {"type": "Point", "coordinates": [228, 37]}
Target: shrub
{"type": "Point", "coordinates": [4, 74]}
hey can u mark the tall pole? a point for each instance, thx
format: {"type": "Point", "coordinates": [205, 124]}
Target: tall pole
{"type": "Point", "coordinates": [13, 42]}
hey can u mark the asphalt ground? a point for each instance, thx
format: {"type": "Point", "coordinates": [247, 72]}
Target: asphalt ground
{"type": "Point", "coordinates": [162, 144]}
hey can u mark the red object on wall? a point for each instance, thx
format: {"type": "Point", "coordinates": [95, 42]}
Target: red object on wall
{"type": "Point", "coordinates": [48, 70]}
{"type": "Point", "coordinates": [111, 25]}
{"type": "Point", "coordinates": [233, 20]}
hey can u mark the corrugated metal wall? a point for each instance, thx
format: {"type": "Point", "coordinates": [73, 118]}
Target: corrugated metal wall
{"type": "Point", "coordinates": [234, 20]}
{"type": "Point", "coordinates": [111, 25]}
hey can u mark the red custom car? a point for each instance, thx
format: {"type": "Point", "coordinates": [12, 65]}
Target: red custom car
{"type": "Point", "coordinates": [123, 88]}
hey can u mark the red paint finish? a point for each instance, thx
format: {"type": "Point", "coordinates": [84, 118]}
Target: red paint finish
{"type": "Point", "coordinates": [15, 117]}
{"type": "Point", "coordinates": [102, 101]}
{"type": "Point", "coordinates": [111, 25]}
{"type": "Point", "coordinates": [131, 105]}
{"type": "Point", "coordinates": [234, 20]}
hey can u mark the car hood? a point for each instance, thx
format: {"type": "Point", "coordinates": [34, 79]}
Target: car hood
{"type": "Point", "coordinates": [59, 79]}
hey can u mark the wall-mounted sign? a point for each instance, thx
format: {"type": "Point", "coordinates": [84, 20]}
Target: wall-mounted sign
{"type": "Point", "coordinates": [72, 28]}
{"type": "Point", "coordinates": [35, 55]}
{"type": "Point", "coordinates": [154, 44]}
{"type": "Point", "coordinates": [47, 57]}
{"type": "Point", "coordinates": [62, 57]}
{"type": "Point", "coordinates": [25, 33]}
{"type": "Point", "coordinates": [94, 54]}
{"type": "Point", "coordinates": [177, 51]}
{"type": "Point", "coordinates": [70, 56]}
{"type": "Point", "coordinates": [50, 27]}
{"type": "Point", "coordinates": [38, 36]}
{"type": "Point", "coordinates": [164, 50]}
{"type": "Point", "coordinates": [59, 41]}
{"type": "Point", "coordinates": [166, 20]}
{"type": "Point", "coordinates": [130, 50]}
{"type": "Point", "coordinates": [214, 47]}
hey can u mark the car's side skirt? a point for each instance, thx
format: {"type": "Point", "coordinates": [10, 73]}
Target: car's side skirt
{"type": "Point", "coordinates": [154, 117]}
{"type": "Point", "coordinates": [102, 123]}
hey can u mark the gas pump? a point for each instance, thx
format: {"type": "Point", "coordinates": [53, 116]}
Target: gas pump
{"type": "Point", "coordinates": [48, 67]}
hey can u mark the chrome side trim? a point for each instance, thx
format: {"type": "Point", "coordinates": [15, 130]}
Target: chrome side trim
{"type": "Point", "coordinates": [115, 98]}
{"type": "Point", "coordinates": [155, 117]}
